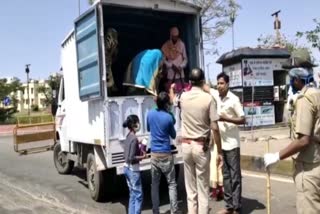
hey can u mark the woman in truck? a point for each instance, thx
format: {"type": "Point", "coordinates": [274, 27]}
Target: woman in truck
{"type": "Point", "coordinates": [144, 72]}
{"type": "Point", "coordinates": [132, 157]}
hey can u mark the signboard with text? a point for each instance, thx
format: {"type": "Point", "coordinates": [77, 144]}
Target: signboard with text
{"type": "Point", "coordinates": [259, 72]}
{"type": "Point", "coordinates": [259, 113]}
{"type": "Point", "coordinates": [234, 72]}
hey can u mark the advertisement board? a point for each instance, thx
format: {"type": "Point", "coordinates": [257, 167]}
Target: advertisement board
{"type": "Point", "coordinates": [260, 71]}
{"type": "Point", "coordinates": [257, 72]}
{"type": "Point", "coordinates": [259, 113]}
{"type": "Point", "coordinates": [234, 72]}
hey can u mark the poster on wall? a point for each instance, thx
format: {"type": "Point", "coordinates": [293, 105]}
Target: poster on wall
{"type": "Point", "coordinates": [234, 72]}
{"type": "Point", "coordinates": [257, 72]}
{"type": "Point", "coordinates": [277, 63]}
{"type": "Point", "coordinates": [259, 113]}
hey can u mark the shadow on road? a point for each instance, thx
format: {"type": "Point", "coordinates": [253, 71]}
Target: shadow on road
{"type": "Point", "coordinates": [80, 173]}
{"type": "Point", "coordinates": [120, 193]}
{"type": "Point", "coordinates": [250, 205]}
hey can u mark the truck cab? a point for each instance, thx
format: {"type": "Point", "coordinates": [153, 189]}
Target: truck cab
{"type": "Point", "coordinates": [90, 114]}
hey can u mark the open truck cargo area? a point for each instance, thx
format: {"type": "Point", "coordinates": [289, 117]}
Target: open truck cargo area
{"type": "Point", "coordinates": [90, 115]}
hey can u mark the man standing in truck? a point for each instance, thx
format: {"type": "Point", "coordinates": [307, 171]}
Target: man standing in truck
{"type": "Point", "coordinates": [175, 59]}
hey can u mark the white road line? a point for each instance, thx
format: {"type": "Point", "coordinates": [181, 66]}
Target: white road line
{"type": "Point", "coordinates": [274, 178]}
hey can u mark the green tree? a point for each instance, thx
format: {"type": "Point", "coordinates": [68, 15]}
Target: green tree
{"type": "Point", "coordinates": [9, 90]}
{"type": "Point", "coordinates": [50, 92]}
{"type": "Point", "coordinates": [312, 36]}
{"type": "Point", "coordinates": [216, 19]}
{"type": "Point", "coordinates": [47, 92]}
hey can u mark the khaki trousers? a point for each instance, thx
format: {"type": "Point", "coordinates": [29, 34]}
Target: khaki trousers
{"type": "Point", "coordinates": [307, 180]}
{"type": "Point", "coordinates": [216, 177]}
{"type": "Point", "coordinates": [196, 176]}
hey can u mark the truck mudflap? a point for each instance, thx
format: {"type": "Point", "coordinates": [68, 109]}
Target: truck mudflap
{"type": "Point", "coordinates": [34, 134]}
{"type": "Point", "coordinates": [100, 159]}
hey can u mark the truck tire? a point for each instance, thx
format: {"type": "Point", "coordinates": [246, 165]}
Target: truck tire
{"type": "Point", "coordinates": [61, 162]}
{"type": "Point", "coordinates": [95, 179]}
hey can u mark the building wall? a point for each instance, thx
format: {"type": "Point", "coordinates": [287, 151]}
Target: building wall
{"type": "Point", "coordinates": [35, 98]}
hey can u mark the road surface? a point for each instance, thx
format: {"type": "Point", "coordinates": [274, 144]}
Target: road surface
{"type": "Point", "coordinates": [31, 184]}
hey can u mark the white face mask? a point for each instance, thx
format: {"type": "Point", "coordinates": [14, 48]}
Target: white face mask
{"type": "Point", "coordinates": [137, 128]}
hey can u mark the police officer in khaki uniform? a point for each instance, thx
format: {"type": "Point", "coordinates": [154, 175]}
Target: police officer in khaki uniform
{"type": "Point", "coordinates": [306, 128]}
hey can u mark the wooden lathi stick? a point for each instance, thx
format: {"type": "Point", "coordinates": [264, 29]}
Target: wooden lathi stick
{"type": "Point", "coordinates": [268, 182]}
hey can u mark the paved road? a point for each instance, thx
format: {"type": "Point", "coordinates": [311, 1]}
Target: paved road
{"type": "Point", "coordinates": [30, 184]}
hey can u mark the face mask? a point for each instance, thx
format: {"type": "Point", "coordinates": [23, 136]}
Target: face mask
{"type": "Point", "coordinates": [137, 128]}
{"type": "Point", "coordinates": [293, 88]}
{"type": "Point", "coordinates": [308, 80]}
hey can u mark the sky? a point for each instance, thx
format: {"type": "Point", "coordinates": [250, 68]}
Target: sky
{"type": "Point", "coordinates": [32, 31]}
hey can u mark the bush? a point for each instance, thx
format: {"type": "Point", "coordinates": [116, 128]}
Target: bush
{"type": "Point", "coordinates": [35, 107]}
{"type": "Point", "coordinates": [6, 114]}
{"type": "Point", "coordinates": [10, 120]}
{"type": "Point", "coordinates": [46, 118]}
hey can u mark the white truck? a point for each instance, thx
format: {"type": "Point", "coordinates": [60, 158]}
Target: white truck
{"type": "Point", "coordinates": [89, 119]}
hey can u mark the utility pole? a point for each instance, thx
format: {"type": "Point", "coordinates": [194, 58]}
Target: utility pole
{"type": "Point", "coordinates": [232, 20]}
{"type": "Point", "coordinates": [27, 71]}
{"type": "Point", "coordinates": [79, 7]}
{"type": "Point", "coordinates": [277, 27]}
{"type": "Point", "coordinates": [208, 71]}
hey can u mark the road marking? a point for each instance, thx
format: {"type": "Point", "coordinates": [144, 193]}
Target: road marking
{"type": "Point", "coordinates": [262, 176]}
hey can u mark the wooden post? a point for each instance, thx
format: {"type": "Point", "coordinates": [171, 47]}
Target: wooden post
{"type": "Point", "coordinates": [268, 182]}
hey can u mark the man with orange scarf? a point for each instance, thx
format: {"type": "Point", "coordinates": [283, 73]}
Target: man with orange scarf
{"type": "Point", "coordinates": [175, 59]}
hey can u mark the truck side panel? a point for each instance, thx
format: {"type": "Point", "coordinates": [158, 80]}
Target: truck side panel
{"type": "Point", "coordinates": [85, 120]}
{"type": "Point", "coordinates": [121, 107]}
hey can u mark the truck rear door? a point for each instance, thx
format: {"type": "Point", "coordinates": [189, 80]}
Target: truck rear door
{"type": "Point", "coordinates": [88, 55]}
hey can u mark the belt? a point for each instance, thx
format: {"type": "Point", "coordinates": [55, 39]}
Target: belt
{"type": "Point", "coordinates": [200, 140]}
{"type": "Point", "coordinates": [160, 155]}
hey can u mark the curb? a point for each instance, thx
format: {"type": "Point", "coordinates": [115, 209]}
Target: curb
{"type": "Point", "coordinates": [5, 134]}
{"type": "Point", "coordinates": [256, 164]}
{"type": "Point", "coordinates": [10, 133]}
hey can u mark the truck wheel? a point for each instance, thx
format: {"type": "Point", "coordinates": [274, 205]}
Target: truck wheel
{"type": "Point", "coordinates": [61, 162]}
{"type": "Point", "coordinates": [95, 179]}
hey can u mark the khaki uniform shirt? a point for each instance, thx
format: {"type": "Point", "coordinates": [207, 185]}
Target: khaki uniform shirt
{"type": "Point", "coordinates": [231, 107]}
{"type": "Point", "coordinates": [198, 111]}
{"type": "Point", "coordinates": [306, 122]}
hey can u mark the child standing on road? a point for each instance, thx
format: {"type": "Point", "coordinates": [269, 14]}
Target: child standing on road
{"type": "Point", "coordinates": [131, 168]}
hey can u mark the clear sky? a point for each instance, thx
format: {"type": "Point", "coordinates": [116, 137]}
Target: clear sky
{"type": "Point", "coordinates": [31, 31]}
